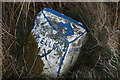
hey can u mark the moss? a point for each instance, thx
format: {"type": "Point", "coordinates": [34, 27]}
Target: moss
{"type": "Point", "coordinates": [30, 50]}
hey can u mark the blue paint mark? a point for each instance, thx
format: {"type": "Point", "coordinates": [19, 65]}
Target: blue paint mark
{"type": "Point", "coordinates": [42, 40]}
{"type": "Point", "coordinates": [46, 43]}
{"type": "Point", "coordinates": [54, 27]}
{"type": "Point", "coordinates": [62, 61]}
{"type": "Point", "coordinates": [38, 50]}
{"type": "Point", "coordinates": [71, 59]}
{"type": "Point", "coordinates": [54, 45]}
{"type": "Point", "coordinates": [63, 16]}
{"type": "Point", "coordinates": [35, 35]}
{"type": "Point", "coordinates": [77, 37]}
{"type": "Point", "coordinates": [37, 38]}
{"type": "Point", "coordinates": [59, 49]}
{"type": "Point", "coordinates": [66, 52]}
{"type": "Point", "coordinates": [49, 44]}
{"type": "Point", "coordinates": [45, 54]}
{"type": "Point", "coordinates": [69, 19]}
{"type": "Point", "coordinates": [69, 31]}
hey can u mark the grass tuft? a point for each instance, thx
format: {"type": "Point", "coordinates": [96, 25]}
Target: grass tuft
{"type": "Point", "coordinates": [99, 57]}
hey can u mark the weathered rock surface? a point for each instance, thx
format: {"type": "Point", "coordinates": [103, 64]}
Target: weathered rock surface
{"type": "Point", "coordinates": [59, 39]}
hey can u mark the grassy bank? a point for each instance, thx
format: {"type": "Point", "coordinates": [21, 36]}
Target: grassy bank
{"type": "Point", "coordinates": [99, 57]}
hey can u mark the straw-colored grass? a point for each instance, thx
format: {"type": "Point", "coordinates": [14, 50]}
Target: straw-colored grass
{"type": "Point", "coordinates": [99, 57]}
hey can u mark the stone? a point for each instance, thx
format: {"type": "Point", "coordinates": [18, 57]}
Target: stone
{"type": "Point", "coordinates": [59, 39]}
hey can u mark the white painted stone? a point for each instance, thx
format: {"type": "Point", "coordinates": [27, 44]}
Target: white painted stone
{"type": "Point", "coordinates": [60, 38]}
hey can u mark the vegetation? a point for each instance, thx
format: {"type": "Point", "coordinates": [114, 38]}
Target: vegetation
{"type": "Point", "coordinates": [99, 57]}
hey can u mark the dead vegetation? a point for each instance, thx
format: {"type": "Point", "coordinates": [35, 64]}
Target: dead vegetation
{"type": "Point", "coordinates": [99, 57]}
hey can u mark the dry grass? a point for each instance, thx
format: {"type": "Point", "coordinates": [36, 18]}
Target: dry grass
{"type": "Point", "coordinates": [99, 57]}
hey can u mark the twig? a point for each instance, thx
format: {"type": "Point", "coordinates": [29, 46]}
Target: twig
{"type": "Point", "coordinates": [6, 68]}
{"type": "Point", "coordinates": [27, 14]}
{"type": "Point", "coordinates": [33, 64]}
{"type": "Point", "coordinates": [20, 13]}
{"type": "Point", "coordinates": [89, 29]}
{"type": "Point", "coordinates": [8, 33]}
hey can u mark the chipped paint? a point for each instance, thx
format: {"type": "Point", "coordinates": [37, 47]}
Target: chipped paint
{"type": "Point", "coordinates": [59, 39]}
